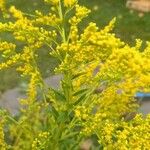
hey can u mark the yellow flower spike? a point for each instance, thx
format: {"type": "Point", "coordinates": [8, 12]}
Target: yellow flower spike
{"type": "Point", "coordinates": [80, 13]}
{"type": "Point", "coordinates": [138, 44]}
{"type": "Point", "coordinates": [110, 26]}
{"type": "Point", "coordinates": [69, 3]}
{"type": "Point", "coordinates": [109, 71]}
{"type": "Point", "coordinates": [10, 62]}
{"type": "Point", "coordinates": [2, 5]}
{"type": "Point", "coordinates": [7, 46]}
{"type": "Point", "coordinates": [53, 2]}
{"type": "Point", "coordinates": [16, 13]}
{"type": "Point", "coordinates": [32, 91]}
{"type": "Point", "coordinates": [40, 140]}
{"type": "Point", "coordinates": [74, 34]}
{"type": "Point", "coordinates": [3, 145]}
{"type": "Point", "coordinates": [77, 113]}
{"type": "Point", "coordinates": [50, 19]}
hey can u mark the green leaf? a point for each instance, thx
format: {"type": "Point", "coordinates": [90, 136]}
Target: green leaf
{"type": "Point", "coordinates": [63, 117]}
{"type": "Point", "coordinates": [80, 99]}
{"type": "Point", "coordinates": [80, 92]}
{"type": "Point", "coordinates": [77, 75]}
{"type": "Point", "coordinates": [54, 112]}
{"type": "Point", "coordinates": [58, 95]}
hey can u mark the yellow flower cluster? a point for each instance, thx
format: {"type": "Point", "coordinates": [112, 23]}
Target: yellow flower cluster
{"type": "Point", "coordinates": [33, 35]}
{"type": "Point", "coordinates": [124, 135]}
{"type": "Point", "coordinates": [50, 19]}
{"type": "Point", "coordinates": [34, 75]}
{"type": "Point", "coordinates": [16, 13]}
{"type": "Point", "coordinates": [7, 48]}
{"type": "Point", "coordinates": [2, 5]}
{"type": "Point", "coordinates": [107, 63]}
{"type": "Point", "coordinates": [13, 60]}
{"type": "Point", "coordinates": [40, 141]}
{"type": "Point", "coordinates": [25, 30]}
{"type": "Point", "coordinates": [80, 13]}
{"type": "Point", "coordinates": [53, 2]}
{"type": "Point", "coordinates": [101, 75]}
{"type": "Point", "coordinates": [91, 49]}
{"type": "Point", "coordinates": [81, 112]}
{"type": "Point", "coordinates": [2, 141]}
{"type": "Point", "coordinates": [69, 3]}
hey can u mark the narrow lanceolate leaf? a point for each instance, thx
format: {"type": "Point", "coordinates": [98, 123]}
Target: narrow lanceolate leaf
{"type": "Point", "coordinates": [54, 112]}
{"type": "Point", "coordinates": [80, 99]}
{"type": "Point", "coordinates": [80, 92]}
{"type": "Point", "coordinates": [58, 95]}
{"type": "Point", "coordinates": [63, 117]}
{"type": "Point", "coordinates": [77, 75]}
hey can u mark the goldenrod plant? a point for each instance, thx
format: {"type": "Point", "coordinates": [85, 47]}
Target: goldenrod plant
{"type": "Point", "coordinates": [100, 77]}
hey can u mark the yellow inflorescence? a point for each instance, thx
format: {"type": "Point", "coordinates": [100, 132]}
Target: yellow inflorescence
{"type": "Point", "coordinates": [69, 3]}
{"type": "Point", "coordinates": [40, 140]}
{"type": "Point", "coordinates": [54, 2]}
{"type": "Point", "coordinates": [124, 136]}
{"type": "Point", "coordinates": [16, 13]}
{"type": "Point", "coordinates": [80, 13]}
{"type": "Point", "coordinates": [2, 141]}
{"type": "Point", "coordinates": [13, 60]}
{"type": "Point", "coordinates": [50, 19]}
{"type": "Point", "coordinates": [2, 5]}
{"type": "Point", "coordinates": [95, 62]}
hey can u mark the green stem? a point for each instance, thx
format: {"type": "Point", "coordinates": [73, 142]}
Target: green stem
{"type": "Point", "coordinates": [67, 76]}
{"type": "Point", "coordinates": [40, 76]}
{"type": "Point", "coordinates": [62, 18]}
{"type": "Point", "coordinates": [12, 119]}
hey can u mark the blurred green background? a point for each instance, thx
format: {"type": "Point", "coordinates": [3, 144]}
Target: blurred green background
{"type": "Point", "coordinates": [129, 26]}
